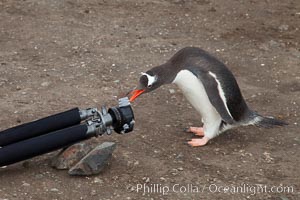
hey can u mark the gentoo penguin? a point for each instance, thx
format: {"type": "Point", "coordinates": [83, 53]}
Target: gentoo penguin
{"type": "Point", "coordinates": [211, 89]}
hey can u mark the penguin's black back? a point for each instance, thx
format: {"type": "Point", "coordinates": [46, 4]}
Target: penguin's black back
{"type": "Point", "coordinates": [200, 62]}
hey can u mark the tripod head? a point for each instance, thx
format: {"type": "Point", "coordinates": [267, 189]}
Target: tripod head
{"type": "Point", "coordinates": [119, 118]}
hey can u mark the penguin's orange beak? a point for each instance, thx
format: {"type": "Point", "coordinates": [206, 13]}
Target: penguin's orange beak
{"type": "Point", "coordinates": [135, 94]}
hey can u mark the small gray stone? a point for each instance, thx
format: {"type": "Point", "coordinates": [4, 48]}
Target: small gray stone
{"type": "Point", "coordinates": [283, 27]}
{"type": "Point", "coordinates": [180, 169]}
{"type": "Point", "coordinates": [54, 190]}
{"type": "Point", "coordinates": [273, 43]}
{"type": "Point", "coordinates": [95, 161]}
{"type": "Point", "coordinates": [25, 184]}
{"type": "Point", "coordinates": [172, 91]}
{"type": "Point", "coordinates": [45, 84]}
{"type": "Point", "coordinates": [93, 192]}
{"type": "Point", "coordinates": [98, 180]}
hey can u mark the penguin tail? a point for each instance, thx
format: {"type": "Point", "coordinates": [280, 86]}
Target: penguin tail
{"type": "Point", "coordinates": [267, 122]}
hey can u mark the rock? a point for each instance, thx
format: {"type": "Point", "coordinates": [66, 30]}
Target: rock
{"type": "Point", "coordinates": [146, 179]}
{"type": "Point", "coordinates": [25, 184]}
{"type": "Point", "coordinates": [179, 156]}
{"type": "Point", "coordinates": [174, 172]}
{"type": "Point", "coordinates": [93, 192]}
{"type": "Point", "coordinates": [45, 84]}
{"type": "Point", "coordinates": [283, 27]}
{"type": "Point", "coordinates": [268, 157]}
{"type": "Point", "coordinates": [95, 161]}
{"type": "Point", "coordinates": [98, 180]}
{"type": "Point", "coordinates": [273, 43]}
{"type": "Point", "coordinates": [172, 91]}
{"type": "Point", "coordinates": [180, 169]}
{"type": "Point", "coordinates": [264, 47]}
{"type": "Point", "coordinates": [54, 190]}
{"type": "Point", "coordinates": [68, 157]}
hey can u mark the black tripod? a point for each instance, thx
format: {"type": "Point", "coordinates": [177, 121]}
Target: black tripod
{"type": "Point", "coordinates": [57, 131]}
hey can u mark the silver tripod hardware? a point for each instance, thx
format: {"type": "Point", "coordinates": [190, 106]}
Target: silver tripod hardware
{"type": "Point", "coordinates": [119, 118]}
{"type": "Point", "coordinates": [87, 113]}
{"type": "Point", "coordinates": [100, 123]}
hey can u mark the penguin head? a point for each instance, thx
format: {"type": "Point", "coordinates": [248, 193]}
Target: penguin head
{"type": "Point", "coordinates": [148, 82]}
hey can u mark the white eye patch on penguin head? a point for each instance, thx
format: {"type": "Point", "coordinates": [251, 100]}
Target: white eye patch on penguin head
{"type": "Point", "coordinates": [147, 80]}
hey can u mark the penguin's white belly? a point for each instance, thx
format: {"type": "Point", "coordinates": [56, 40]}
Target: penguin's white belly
{"type": "Point", "coordinates": [194, 91]}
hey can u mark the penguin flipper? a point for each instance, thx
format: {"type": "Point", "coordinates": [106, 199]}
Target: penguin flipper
{"type": "Point", "coordinates": [212, 89]}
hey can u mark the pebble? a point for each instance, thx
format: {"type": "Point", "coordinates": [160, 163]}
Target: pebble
{"type": "Point", "coordinates": [93, 192]}
{"type": "Point", "coordinates": [45, 84]}
{"type": "Point", "coordinates": [163, 179]}
{"type": "Point", "coordinates": [268, 157]}
{"type": "Point", "coordinates": [179, 156]}
{"type": "Point", "coordinates": [273, 43]}
{"type": "Point", "coordinates": [156, 151]}
{"type": "Point", "coordinates": [98, 180]}
{"type": "Point", "coordinates": [283, 27]}
{"type": "Point", "coordinates": [26, 184]}
{"type": "Point", "coordinates": [174, 172]}
{"type": "Point", "coordinates": [54, 190]}
{"type": "Point", "coordinates": [172, 91]}
{"type": "Point", "coordinates": [146, 179]}
{"type": "Point", "coordinates": [180, 169]}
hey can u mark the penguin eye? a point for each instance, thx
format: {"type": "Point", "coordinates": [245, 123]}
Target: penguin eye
{"type": "Point", "coordinates": [149, 86]}
{"type": "Point", "coordinates": [144, 80]}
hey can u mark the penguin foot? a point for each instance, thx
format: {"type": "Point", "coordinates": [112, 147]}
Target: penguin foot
{"type": "Point", "coordinates": [197, 130]}
{"type": "Point", "coordinates": [198, 142]}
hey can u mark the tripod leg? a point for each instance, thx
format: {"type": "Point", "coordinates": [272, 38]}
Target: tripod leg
{"type": "Point", "coordinates": [43, 144]}
{"type": "Point", "coordinates": [40, 127]}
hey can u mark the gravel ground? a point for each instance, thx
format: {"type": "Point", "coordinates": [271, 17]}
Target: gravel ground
{"type": "Point", "coordinates": [60, 54]}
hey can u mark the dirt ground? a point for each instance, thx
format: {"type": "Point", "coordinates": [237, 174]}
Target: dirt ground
{"type": "Point", "coordinates": [60, 54]}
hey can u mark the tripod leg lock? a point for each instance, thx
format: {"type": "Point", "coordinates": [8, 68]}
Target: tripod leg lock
{"type": "Point", "coordinates": [87, 113]}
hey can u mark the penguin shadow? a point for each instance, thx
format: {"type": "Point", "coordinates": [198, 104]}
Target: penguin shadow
{"type": "Point", "coordinates": [234, 137]}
